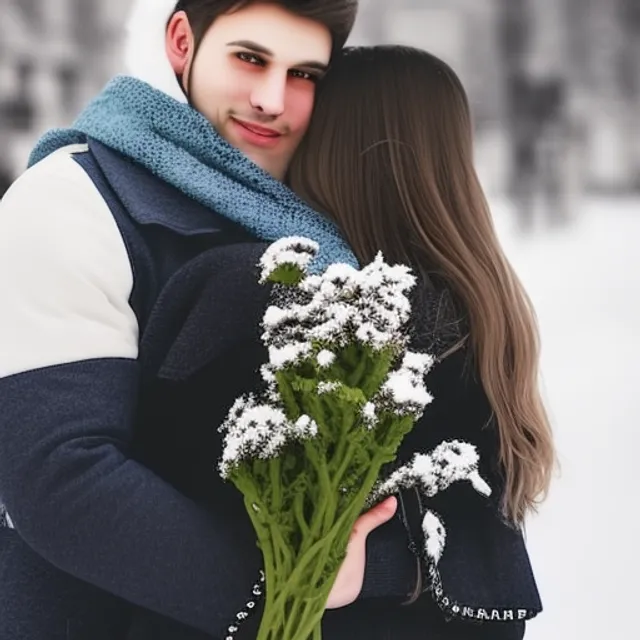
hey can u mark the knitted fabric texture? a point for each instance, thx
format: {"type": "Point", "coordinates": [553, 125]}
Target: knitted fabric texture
{"type": "Point", "coordinates": [178, 145]}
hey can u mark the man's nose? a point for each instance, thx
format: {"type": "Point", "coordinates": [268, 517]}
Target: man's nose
{"type": "Point", "coordinates": [268, 96]}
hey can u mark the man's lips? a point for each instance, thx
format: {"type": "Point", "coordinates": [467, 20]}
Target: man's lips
{"type": "Point", "coordinates": [257, 129]}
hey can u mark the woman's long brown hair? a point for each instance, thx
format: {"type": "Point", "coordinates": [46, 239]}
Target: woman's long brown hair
{"type": "Point", "coordinates": [389, 156]}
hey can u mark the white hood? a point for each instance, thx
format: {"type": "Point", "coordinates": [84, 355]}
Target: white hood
{"type": "Point", "coordinates": [145, 57]}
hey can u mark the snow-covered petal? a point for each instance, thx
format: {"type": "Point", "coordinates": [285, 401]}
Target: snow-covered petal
{"type": "Point", "coordinates": [370, 414]}
{"type": "Point", "coordinates": [402, 386]}
{"type": "Point", "coordinates": [325, 358]}
{"type": "Point", "coordinates": [294, 250]}
{"type": "Point", "coordinates": [260, 431]}
{"type": "Point", "coordinates": [418, 363]}
{"type": "Point", "coordinates": [431, 473]}
{"type": "Point", "coordinates": [280, 357]}
{"type": "Point", "coordinates": [435, 536]}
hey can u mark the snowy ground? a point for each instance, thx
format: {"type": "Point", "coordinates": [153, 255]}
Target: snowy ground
{"type": "Point", "coordinates": [585, 283]}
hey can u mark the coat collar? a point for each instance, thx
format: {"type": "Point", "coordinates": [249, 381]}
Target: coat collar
{"type": "Point", "coordinates": [150, 200]}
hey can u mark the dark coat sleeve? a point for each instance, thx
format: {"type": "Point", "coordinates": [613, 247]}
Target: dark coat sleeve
{"type": "Point", "coordinates": [74, 485]}
{"type": "Point", "coordinates": [484, 572]}
{"type": "Point", "coordinates": [200, 351]}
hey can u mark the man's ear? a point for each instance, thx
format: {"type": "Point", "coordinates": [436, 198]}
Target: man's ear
{"type": "Point", "coordinates": [179, 42]}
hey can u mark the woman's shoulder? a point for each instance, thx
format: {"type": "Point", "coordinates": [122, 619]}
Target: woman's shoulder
{"type": "Point", "coordinates": [438, 320]}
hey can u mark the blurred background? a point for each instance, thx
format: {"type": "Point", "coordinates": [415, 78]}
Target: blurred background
{"type": "Point", "coordinates": [555, 90]}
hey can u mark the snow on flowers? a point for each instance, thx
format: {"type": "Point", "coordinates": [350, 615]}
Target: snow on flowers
{"type": "Point", "coordinates": [341, 391]}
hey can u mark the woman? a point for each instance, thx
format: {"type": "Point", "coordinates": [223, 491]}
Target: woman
{"type": "Point", "coordinates": [389, 158]}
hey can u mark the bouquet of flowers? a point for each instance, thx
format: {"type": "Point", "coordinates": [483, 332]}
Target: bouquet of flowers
{"type": "Point", "coordinates": [341, 392]}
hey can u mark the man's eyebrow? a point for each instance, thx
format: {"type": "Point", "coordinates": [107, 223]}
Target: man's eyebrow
{"type": "Point", "coordinates": [258, 48]}
{"type": "Point", "coordinates": [312, 64]}
{"type": "Point", "coordinates": [252, 46]}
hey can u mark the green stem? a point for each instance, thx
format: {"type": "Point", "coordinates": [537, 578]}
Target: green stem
{"type": "Point", "coordinates": [292, 626]}
{"type": "Point", "coordinates": [268, 561]}
{"type": "Point", "coordinates": [313, 628]}
{"type": "Point", "coordinates": [299, 617]}
{"type": "Point", "coordinates": [322, 546]}
{"type": "Point", "coordinates": [356, 373]}
{"type": "Point", "coordinates": [299, 580]}
{"type": "Point", "coordinates": [346, 460]}
{"type": "Point", "coordinates": [349, 515]}
{"type": "Point", "coordinates": [287, 394]}
{"type": "Point", "coordinates": [275, 484]}
{"type": "Point", "coordinates": [281, 551]}
{"type": "Point", "coordinates": [310, 623]}
{"type": "Point", "coordinates": [324, 488]}
{"type": "Point", "coordinates": [308, 558]}
{"type": "Point", "coordinates": [343, 460]}
{"type": "Point", "coordinates": [299, 603]}
{"type": "Point", "coordinates": [313, 406]}
{"type": "Point", "coordinates": [298, 509]}
{"type": "Point", "coordinates": [339, 539]}
{"type": "Point", "coordinates": [296, 576]}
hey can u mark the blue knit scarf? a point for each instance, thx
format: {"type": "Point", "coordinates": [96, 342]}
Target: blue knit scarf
{"type": "Point", "coordinates": [178, 145]}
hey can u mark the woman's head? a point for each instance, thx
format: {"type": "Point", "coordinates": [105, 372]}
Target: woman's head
{"type": "Point", "coordinates": [389, 144]}
{"type": "Point", "coordinates": [389, 156]}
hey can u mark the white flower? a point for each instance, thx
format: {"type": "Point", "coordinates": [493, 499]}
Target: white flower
{"type": "Point", "coordinates": [436, 471]}
{"type": "Point", "coordinates": [275, 315]}
{"type": "Point", "coordinates": [267, 374]}
{"type": "Point", "coordinates": [236, 411]}
{"type": "Point", "coordinates": [435, 536]}
{"type": "Point", "coordinates": [255, 430]}
{"type": "Point", "coordinates": [311, 284]}
{"type": "Point", "coordinates": [289, 354]}
{"type": "Point", "coordinates": [368, 333]}
{"type": "Point", "coordinates": [312, 319]}
{"type": "Point", "coordinates": [454, 462]}
{"type": "Point", "coordinates": [296, 251]}
{"type": "Point", "coordinates": [328, 387]}
{"type": "Point", "coordinates": [304, 424]}
{"type": "Point", "coordinates": [418, 363]}
{"type": "Point", "coordinates": [404, 391]}
{"type": "Point", "coordinates": [369, 414]}
{"type": "Point", "coordinates": [402, 386]}
{"type": "Point", "coordinates": [431, 473]}
{"type": "Point", "coordinates": [342, 304]}
{"type": "Point", "coordinates": [325, 358]}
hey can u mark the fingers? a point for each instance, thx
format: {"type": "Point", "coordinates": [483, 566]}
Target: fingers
{"type": "Point", "coordinates": [376, 516]}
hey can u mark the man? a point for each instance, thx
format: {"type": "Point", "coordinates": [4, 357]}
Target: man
{"type": "Point", "coordinates": [89, 235]}
{"type": "Point", "coordinates": [257, 91]}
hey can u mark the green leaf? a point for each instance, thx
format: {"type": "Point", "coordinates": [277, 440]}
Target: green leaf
{"type": "Point", "coordinates": [288, 274]}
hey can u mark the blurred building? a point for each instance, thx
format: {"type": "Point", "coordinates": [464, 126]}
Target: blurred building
{"type": "Point", "coordinates": [54, 56]}
{"type": "Point", "coordinates": [461, 32]}
{"type": "Point", "coordinates": [590, 47]}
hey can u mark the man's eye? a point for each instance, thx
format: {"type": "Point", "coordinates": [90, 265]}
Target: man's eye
{"type": "Point", "coordinates": [304, 75]}
{"type": "Point", "coordinates": [251, 58]}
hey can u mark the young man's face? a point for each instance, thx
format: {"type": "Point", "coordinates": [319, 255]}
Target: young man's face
{"type": "Point", "coordinates": [254, 78]}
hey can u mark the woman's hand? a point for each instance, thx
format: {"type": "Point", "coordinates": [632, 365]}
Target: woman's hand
{"type": "Point", "coordinates": [350, 578]}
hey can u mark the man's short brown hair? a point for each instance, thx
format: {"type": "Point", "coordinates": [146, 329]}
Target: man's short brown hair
{"type": "Point", "coordinates": [337, 16]}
